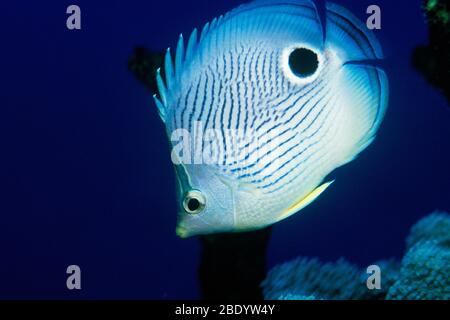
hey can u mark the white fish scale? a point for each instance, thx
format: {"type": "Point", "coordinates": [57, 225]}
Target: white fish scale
{"type": "Point", "coordinates": [319, 155]}
{"type": "Point", "coordinates": [288, 193]}
{"type": "Point", "coordinates": [297, 160]}
{"type": "Point", "coordinates": [202, 96]}
{"type": "Point", "coordinates": [293, 147]}
{"type": "Point", "coordinates": [236, 91]}
{"type": "Point", "coordinates": [191, 98]}
{"type": "Point", "coordinates": [207, 100]}
{"type": "Point", "coordinates": [222, 118]}
{"type": "Point", "coordinates": [276, 147]}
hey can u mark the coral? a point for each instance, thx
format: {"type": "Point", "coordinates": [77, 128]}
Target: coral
{"type": "Point", "coordinates": [289, 296]}
{"type": "Point", "coordinates": [305, 278]}
{"type": "Point", "coordinates": [424, 272]}
{"type": "Point", "coordinates": [435, 226]}
{"type": "Point", "coordinates": [309, 279]}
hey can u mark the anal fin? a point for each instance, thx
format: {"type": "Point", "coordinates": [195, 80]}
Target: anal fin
{"type": "Point", "coordinates": [303, 202]}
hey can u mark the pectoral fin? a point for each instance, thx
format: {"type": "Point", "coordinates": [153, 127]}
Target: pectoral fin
{"type": "Point", "coordinates": [303, 202]}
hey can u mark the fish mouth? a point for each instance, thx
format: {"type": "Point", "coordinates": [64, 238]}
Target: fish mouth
{"type": "Point", "coordinates": [182, 232]}
{"type": "Point", "coordinates": [186, 229]}
{"type": "Point", "coordinates": [185, 233]}
{"type": "Point", "coordinates": [188, 226]}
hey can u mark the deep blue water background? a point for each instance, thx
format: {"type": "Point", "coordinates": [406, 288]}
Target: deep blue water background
{"type": "Point", "coordinates": [85, 171]}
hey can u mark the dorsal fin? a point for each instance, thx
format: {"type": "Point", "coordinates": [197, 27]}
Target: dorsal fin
{"type": "Point", "coordinates": [300, 21]}
{"type": "Point", "coordinates": [281, 21]}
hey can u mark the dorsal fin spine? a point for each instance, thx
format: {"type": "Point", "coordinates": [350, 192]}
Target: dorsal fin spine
{"type": "Point", "coordinates": [161, 108]}
{"type": "Point", "coordinates": [204, 31]}
{"type": "Point", "coordinates": [169, 69]}
{"type": "Point", "coordinates": [192, 43]}
{"type": "Point", "coordinates": [161, 87]}
{"type": "Point", "coordinates": [179, 57]}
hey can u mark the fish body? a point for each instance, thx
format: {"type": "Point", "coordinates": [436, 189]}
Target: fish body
{"type": "Point", "coordinates": [262, 105]}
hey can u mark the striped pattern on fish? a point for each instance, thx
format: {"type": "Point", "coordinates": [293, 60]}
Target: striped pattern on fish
{"type": "Point", "coordinates": [277, 133]}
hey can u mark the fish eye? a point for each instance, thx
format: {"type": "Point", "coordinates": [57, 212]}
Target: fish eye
{"type": "Point", "coordinates": [303, 62]}
{"type": "Point", "coordinates": [194, 202]}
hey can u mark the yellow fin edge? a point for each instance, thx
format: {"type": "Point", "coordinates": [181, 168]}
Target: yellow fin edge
{"type": "Point", "coordinates": [303, 202]}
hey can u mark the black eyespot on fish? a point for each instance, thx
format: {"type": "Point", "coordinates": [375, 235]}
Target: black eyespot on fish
{"type": "Point", "coordinates": [303, 62]}
{"type": "Point", "coordinates": [194, 202]}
